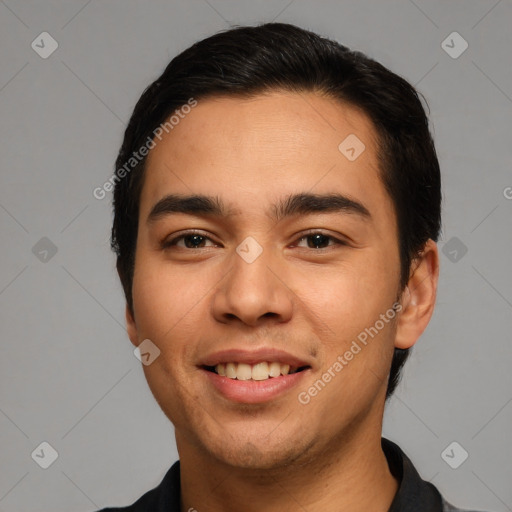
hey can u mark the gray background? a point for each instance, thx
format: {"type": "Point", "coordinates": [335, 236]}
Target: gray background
{"type": "Point", "coordinates": [68, 374]}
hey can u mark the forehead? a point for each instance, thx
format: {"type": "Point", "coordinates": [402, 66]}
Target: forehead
{"type": "Point", "coordinates": [251, 151]}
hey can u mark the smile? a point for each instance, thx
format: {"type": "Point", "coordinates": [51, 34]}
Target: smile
{"type": "Point", "coordinates": [254, 383]}
{"type": "Point", "coordinates": [259, 371]}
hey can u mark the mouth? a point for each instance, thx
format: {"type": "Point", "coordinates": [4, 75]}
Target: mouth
{"type": "Point", "coordinates": [260, 371]}
{"type": "Point", "coordinates": [257, 383]}
{"type": "Point", "coordinates": [253, 376]}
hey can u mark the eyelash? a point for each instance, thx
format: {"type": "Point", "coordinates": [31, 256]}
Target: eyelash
{"type": "Point", "coordinates": [167, 244]}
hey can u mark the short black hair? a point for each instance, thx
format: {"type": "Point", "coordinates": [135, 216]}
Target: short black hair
{"type": "Point", "coordinates": [250, 60]}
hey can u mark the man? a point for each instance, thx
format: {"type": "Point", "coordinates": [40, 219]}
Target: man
{"type": "Point", "coordinates": [277, 205]}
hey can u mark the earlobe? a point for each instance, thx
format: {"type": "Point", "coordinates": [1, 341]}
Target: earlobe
{"type": "Point", "coordinates": [418, 298]}
{"type": "Point", "coordinates": [131, 327]}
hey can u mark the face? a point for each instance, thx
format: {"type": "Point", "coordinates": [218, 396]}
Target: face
{"type": "Point", "coordinates": [253, 282]}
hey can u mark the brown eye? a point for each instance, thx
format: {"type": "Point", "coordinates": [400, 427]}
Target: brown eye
{"type": "Point", "coordinates": [190, 241]}
{"type": "Point", "coordinates": [320, 240]}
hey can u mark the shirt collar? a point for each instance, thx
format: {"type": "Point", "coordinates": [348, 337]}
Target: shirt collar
{"type": "Point", "coordinates": [413, 492]}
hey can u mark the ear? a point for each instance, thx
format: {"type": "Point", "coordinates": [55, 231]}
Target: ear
{"type": "Point", "coordinates": [131, 327]}
{"type": "Point", "coordinates": [419, 296]}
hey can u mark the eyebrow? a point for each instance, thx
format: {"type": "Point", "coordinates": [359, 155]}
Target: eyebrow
{"type": "Point", "coordinates": [295, 204]}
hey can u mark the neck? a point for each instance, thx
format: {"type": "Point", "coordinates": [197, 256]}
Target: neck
{"type": "Point", "coordinates": [354, 476]}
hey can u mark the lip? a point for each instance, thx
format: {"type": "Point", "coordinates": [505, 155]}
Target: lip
{"type": "Point", "coordinates": [253, 357]}
{"type": "Point", "coordinates": [254, 391]}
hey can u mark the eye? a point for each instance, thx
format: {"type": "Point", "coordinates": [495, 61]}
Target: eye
{"type": "Point", "coordinates": [319, 240]}
{"type": "Point", "coordinates": [191, 240]}
{"type": "Point", "coordinates": [195, 240]}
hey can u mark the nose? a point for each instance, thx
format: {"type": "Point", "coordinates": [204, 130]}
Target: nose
{"type": "Point", "coordinates": [253, 292]}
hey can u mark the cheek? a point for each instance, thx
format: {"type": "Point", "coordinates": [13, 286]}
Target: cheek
{"type": "Point", "coordinates": [349, 295]}
{"type": "Point", "coordinates": [170, 304]}
{"type": "Point", "coordinates": [163, 295]}
{"type": "Point", "coordinates": [151, 301]}
{"type": "Point", "coordinates": [344, 306]}
{"type": "Point", "coordinates": [164, 301]}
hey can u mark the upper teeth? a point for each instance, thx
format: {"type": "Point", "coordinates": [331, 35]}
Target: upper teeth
{"type": "Point", "coordinates": [259, 371]}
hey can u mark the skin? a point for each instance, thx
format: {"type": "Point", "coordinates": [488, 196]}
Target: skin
{"type": "Point", "coordinates": [312, 302]}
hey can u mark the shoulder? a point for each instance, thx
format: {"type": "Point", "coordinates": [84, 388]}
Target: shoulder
{"type": "Point", "coordinates": [414, 493]}
{"type": "Point", "coordinates": [148, 501]}
{"type": "Point", "coordinates": [165, 497]}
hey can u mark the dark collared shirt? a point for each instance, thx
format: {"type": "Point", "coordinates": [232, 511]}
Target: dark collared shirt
{"type": "Point", "coordinates": [413, 495]}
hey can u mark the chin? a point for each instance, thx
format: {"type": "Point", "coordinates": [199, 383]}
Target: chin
{"type": "Point", "coordinates": [253, 457]}
{"type": "Point", "coordinates": [258, 452]}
